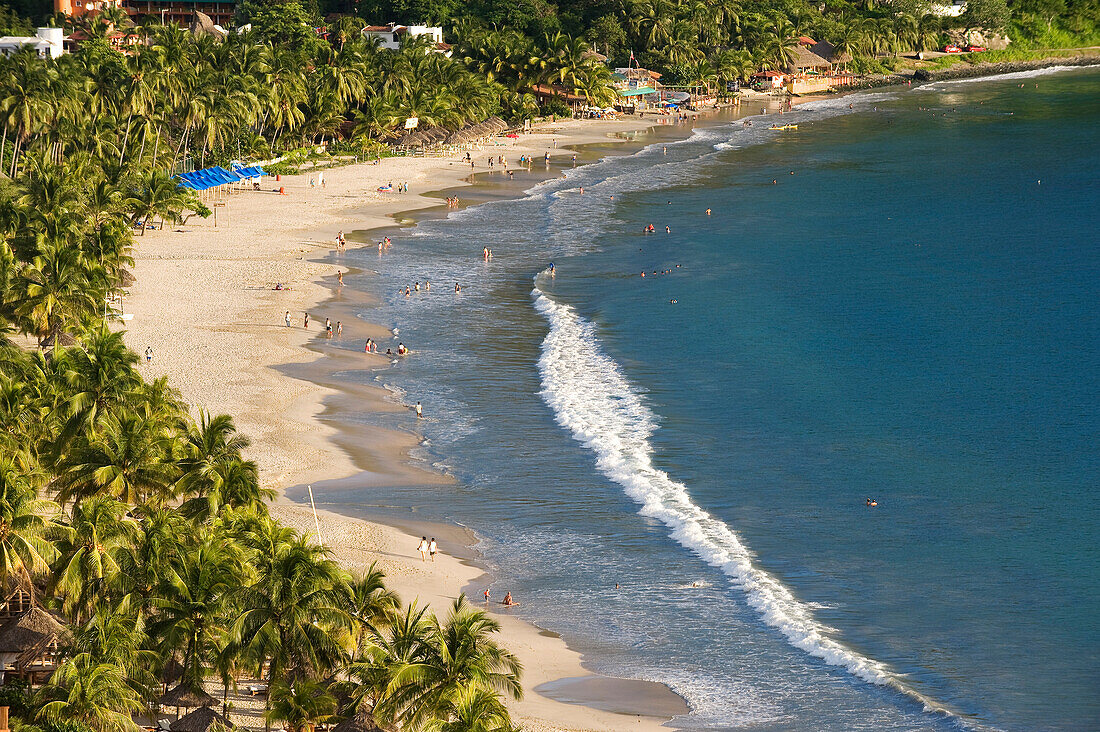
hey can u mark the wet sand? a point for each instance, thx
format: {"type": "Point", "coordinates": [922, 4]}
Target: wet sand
{"type": "Point", "coordinates": [206, 301]}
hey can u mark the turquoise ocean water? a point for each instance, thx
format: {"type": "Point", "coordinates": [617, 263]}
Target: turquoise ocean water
{"type": "Point", "coordinates": [912, 315]}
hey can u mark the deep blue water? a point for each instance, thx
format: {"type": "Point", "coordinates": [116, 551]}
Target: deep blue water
{"type": "Point", "coordinates": [910, 316]}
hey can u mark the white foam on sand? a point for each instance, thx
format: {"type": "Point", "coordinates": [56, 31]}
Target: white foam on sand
{"type": "Point", "coordinates": [591, 398]}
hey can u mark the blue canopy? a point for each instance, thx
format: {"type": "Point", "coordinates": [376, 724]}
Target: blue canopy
{"type": "Point", "coordinates": [207, 178]}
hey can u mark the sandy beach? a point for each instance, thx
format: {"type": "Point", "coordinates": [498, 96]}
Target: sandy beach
{"type": "Point", "coordinates": [206, 302]}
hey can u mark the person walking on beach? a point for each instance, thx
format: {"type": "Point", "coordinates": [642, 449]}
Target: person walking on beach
{"type": "Point", "coordinates": [419, 410]}
{"type": "Point", "coordinates": [339, 329]}
{"type": "Point", "coordinates": [148, 354]}
{"type": "Point", "coordinates": [433, 548]}
{"type": "Point", "coordinates": [286, 318]}
{"type": "Point", "coordinates": [305, 321]}
{"type": "Point", "coordinates": [423, 548]}
{"type": "Point", "coordinates": [340, 277]}
{"type": "Point", "coordinates": [486, 593]}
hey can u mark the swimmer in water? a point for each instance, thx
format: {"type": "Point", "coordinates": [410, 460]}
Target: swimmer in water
{"type": "Point", "coordinates": [708, 212]}
{"type": "Point", "coordinates": [551, 269]}
{"type": "Point", "coordinates": [668, 230]}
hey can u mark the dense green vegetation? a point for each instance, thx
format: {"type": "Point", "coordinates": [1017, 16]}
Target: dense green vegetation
{"type": "Point", "coordinates": [149, 533]}
{"type": "Point", "coordinates": [144, 528]}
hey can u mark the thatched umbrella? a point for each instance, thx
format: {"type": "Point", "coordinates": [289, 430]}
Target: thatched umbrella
{"type": "Point", "coordinates": [203, 719]}
{"type": "Point", "coordinates": [361, 722]}
{"type": "Point", "coordinates": [126, 278]}
{"type": "Point", "coordinates": [187, 698]}
{"type": "Point", "coordinates": [406, 140]}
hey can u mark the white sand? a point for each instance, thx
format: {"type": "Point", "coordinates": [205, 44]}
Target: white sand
{"type": "Point", "coordinates": [204, 300]}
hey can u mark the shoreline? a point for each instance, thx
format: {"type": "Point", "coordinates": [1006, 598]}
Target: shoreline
{"type": "Point", "coordinates": [205, 300]}
{"type": "Point", "coordinates": [231, 353]}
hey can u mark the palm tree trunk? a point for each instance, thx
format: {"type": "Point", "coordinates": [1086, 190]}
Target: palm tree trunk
{"type": "Point", "coordinates": [125, 138]}
{"type": "Point", "coordinates": [3, 144]}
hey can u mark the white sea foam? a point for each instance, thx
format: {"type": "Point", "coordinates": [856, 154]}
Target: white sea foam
{"type": "Point", "coordinates": [591, 397]}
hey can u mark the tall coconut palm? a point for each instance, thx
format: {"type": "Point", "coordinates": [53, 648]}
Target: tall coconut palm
{"type": "Point", "coordinates": [300, 705]}
{"type": "Point", "coordinates": [89, 548]}
{"type": "Point", "coordinates": [292, 616]}
{"type": "Point", "coordinates": [128, 460]}
{"type": "Point", "coordinates": [157, 194]}
{"type": "Point", "coordinates": [25, 551]}
{"type": "Point", "coordinates": [194, 603]}
{"type": "Point", "coordinates": [56, 290]}
{"type": "Point", "coordinates": [461, 653]}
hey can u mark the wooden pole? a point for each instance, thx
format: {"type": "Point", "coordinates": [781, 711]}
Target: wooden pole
{"type": "Point", "coordinates": [316, 522]}
{"type": "Point", "coordinates": [3, 719]}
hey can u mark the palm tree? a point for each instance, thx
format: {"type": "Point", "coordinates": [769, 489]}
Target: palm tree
{"type": "Point", "coordinates": [89, 549]}
{"type": "Point", "coordinates": [300, 705]}
{"type": "Point", "coordinates": [194, 602]}
{"type": "Point", "coordinates": [99, 379]}
{"type": "Point", "coordinates": [291, 616]}
{"type": "Point", "coordinates": [127, 460]}
{"type": "Point", "coordinates": [471, 709]}
{"type": "Point", "coordinates": [460, 654]}
{"type": "Point", "coordinates": [24, 520]}
{"type": "Point", "coordinates": [95, 695]}
{"type": "Point", "coordinates": [157, 194]}
{"type": "Point", "coordinates": [56, 290]}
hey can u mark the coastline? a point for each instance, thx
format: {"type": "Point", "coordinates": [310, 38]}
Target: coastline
{"type": "Point", "coordinates": [205, 301]}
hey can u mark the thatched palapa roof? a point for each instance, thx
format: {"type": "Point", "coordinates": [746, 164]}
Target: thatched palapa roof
{"type": "Point", "coordinates": [30, 634]}
{"type": "Point", "coordinates": [203, 719]}
{"type": "Point", "coordinates": [803, 58]}
{"type": "Point", "coordinates": [182, 696]}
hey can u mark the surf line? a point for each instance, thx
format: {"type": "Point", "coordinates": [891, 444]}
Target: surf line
{"type": "Point", "coordinates": [592, 399]}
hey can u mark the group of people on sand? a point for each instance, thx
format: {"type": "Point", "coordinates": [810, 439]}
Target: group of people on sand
{"type": "Point", "coordinates": [330, 330]}
{"type": "Point", "coordinates": [340, 242]}
{"type": "Point", "coordinates": [452, 201]}
{"type": "Point", "coordinates": [506, 602]}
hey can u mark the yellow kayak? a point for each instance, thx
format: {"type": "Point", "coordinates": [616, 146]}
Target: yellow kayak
{"type": "Point", "coordinates": [784, 127]}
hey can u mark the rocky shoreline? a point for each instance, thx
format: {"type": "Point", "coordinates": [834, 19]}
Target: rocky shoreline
{"type": "Point", "coordinates": [966, 71]}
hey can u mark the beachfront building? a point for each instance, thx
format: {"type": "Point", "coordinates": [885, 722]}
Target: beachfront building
{"type": "Point", "coordinates": [46, 42]}
{"type": "Point", "coordinates": [389, 36]}
{"type": "Point", "coordinates": [30, 639]}
{"type": "Point", "coordinates": [770, 80]}
{"type": "Point", "coordinates": [80, 8]}
{"type": "Point", "coordinates": [184, 12]}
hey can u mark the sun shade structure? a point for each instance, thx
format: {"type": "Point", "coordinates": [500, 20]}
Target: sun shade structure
{"type": "Point", "coordinates": [203, 719]}
{"type": "Point", "coordinates": [207, 178]}
{"type": "Point", "coordinates": [181, 696]}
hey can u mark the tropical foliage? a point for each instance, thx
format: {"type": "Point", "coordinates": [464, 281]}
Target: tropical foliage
{"type": "Point", "coordinates": [144, 528]}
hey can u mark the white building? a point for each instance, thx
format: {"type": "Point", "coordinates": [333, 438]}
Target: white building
{"type": "Point", "coordinates": [952, 10]}
{"type": "Point", "coordinates": [390, 35]}
{"type": "Point", "coordinates": [46, 42]}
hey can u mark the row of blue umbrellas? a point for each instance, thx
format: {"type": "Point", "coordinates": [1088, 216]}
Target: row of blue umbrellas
{"type": "Point", "coordinates": [201, 180]}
